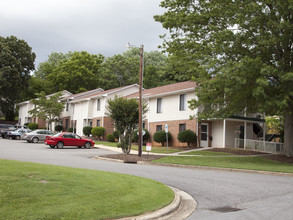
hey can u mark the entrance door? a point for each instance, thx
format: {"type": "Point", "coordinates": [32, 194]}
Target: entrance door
{"type": "Point", "coordinates": [204, 142]}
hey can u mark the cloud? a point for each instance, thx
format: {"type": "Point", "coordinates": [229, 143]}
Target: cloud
{"type": "Point", "coordinates": [96, 26]}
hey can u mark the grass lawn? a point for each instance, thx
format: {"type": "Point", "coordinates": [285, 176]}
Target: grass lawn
{"type": "Point", "coordinates": [161, 150]}
{"type": "Point", "coordinates": [206, 153]}
{"type": "Point", "coordinates": [36, 191]}
{"type": "Point", "coordinates": [249, 163]}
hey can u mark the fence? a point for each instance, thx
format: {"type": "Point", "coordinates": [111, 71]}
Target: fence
{"type": "Point", "coordinates": [261, 146]}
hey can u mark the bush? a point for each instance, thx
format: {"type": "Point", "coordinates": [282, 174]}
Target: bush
{"type": "Point", "coordinates": [187, 136]}
{"type": "Point", "coordinates": [33, 126]}
{"type": "Point", "coordinates": [160, 136]}
{"type": "Point", "coordinates": [146, 136]}
{"type": "Point", "coordinates": [58, 128]}
{"type": "Point", "coordinates": [26, 124]}
{"type": "Point", "coordinates": [116, 134]}
{"type": "Point", "coordinates": [87, 130]}
{"type": "Point", "coordinates": [71, 130]}
{"type": "Point", "coordinates": [110, 138]}
{"type": "Point", "coordinates": [98, 132]}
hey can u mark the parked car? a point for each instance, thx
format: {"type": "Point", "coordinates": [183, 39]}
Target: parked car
{"type": "Point", "coordinates": [17, 134]}
{"type": "Point", "coordinates": [68, 139]}
{"type": "Point", "coordinates": [37, 135]}
{"type": "Point", "coordinates": [4, 128]}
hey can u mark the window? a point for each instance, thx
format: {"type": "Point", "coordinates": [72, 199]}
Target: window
{"type": "Point", "coordinates": [67, 106]}
{"type": "Point", "coordinates": [66, 124]}
{"type": "Point", "coordinates": [159, 128]}
{"type": "Point", "coordinates": [72, 108]}
{"type": "Point", "coordinates": [98, 104]}
{"type": "Point", "coordinates": [159, 105]}
{"type": "Point", "coordinates": [182, 127]}
{"type": "Point", "coordinates": [98, 123]}
{"type": "Point", "coordinates": [182, 103]}
{"type": "Point", "coordinates": [90, 123]}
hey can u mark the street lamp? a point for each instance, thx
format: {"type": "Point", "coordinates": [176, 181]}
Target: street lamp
{"type": "Point", "coordinates": [140, 125]}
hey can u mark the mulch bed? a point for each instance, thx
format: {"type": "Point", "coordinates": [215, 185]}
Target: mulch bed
{"type": "Point", "coordinates": [280, 158]}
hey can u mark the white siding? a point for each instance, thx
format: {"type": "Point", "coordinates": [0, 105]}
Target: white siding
{"type": "Point", "coordinates": [170, 108]}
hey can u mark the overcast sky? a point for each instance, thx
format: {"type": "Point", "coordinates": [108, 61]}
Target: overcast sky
{"type": "Point", "coordinates": [95, 26]}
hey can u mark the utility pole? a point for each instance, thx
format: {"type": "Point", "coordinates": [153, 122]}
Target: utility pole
{"type": "Point", "coordinates": [140, 136]}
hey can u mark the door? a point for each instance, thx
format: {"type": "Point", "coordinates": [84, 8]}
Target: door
{"type": "Point", "coordinates": [204, 140]}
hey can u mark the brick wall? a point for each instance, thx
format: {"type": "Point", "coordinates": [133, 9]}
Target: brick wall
{"type": "Point", "coordinates": [41, 122]}
{"type": "Point", "coordinates": [173, 128]}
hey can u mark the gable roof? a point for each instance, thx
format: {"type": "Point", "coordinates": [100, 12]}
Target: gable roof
{"type": "Point", "coordinates": [102, 93]}
{"type": "Point", "coordinates": [83, 94]}
{"type": "Point", "coordinates": [166, 90]}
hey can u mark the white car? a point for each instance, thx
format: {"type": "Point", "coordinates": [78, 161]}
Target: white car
{"type": "Point", "coordinates": [17, 134]}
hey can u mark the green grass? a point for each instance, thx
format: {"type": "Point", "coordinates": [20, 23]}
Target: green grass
{"type": "Point", "coordinates": [206, 153]}
{"type": "Point", "coordinates": [249, 163]}
{"type": "Point", "coordinates": [36, 191]}
{"type": "Point", "coordinates": [160, 150]}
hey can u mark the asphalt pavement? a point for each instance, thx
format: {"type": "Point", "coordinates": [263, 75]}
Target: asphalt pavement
{"type": "Point", "coordinates": [219, 194]}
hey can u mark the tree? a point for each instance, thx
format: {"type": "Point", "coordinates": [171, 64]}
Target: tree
{"type": "Point", "coordinates": [275, 125]}
{"type": "Point", "coordinates": [80, 72]}
{"type": "Point", "coordinates": [124, 113]}
{"type": "Point", "coordinates": [187, 136]}
{"type": "Point", "coordinates": [49, 108]}
{"type": "Point", "coordinates": [16, 63]}
{"type": "Point", "coordinates": [98, 132]}
{"type": "Point", "coordinates": [239, 52]}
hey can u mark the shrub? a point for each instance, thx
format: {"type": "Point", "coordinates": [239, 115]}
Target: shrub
{"type": "Point", "coordinates": [116, 134]}
{"type": "Point", "coordinates": [187, 136]}
{"type": "Point", "coordinates": [110, 138]}
{"type": "Point", "coordinates": [160, 136]}
{"type": "Point", "coordinates": [58, 128]}
{"type": "Point", "coordinates": [145, 137]}
{"type": "Point", "coordinates": [87, 130]}
{"type": "Point", "coordinates": [98, 132]}
{"type": "Point", "coordinates": [71, 130]}
{"type": "Point", "coordinates": [26, 124]}
{"type": "Point", "coordinates": [33, 126]}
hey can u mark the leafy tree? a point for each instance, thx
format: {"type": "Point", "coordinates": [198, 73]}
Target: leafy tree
{"type": "Point", "coordinates": [187, 136]}
{"type": "Point", "coordinates": [124, 113]}
{"type": "Point", "coordinates": [16, 63]}
{"type": "Point", "coordinates": [160, 137]}
{"type": "Point", "coordinates": [245, 47]}
{"type": "Point", "coordinates": [98, 132]}
{"type": "Point", "coordinates": [87, 130]}
{"type": "Point", "coordinates": [47, 108]}
{"type": "Point", "coordinates": [80, 72]}
{"type": "Point", "coordinates": [275, 125]}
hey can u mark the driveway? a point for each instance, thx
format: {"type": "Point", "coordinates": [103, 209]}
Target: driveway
{"type": "Point", "coordinates": [220, 194]}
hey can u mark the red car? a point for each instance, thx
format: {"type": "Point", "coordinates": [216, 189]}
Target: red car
{"type": "Point", "coordinates": [68, 139]}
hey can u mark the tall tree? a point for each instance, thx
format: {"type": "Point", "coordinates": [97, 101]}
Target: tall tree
{"type": "Point", "coordinates": [80, 72]}
{"type": "Point", "coordinates": [47, 108]}
{"type": "Point", "coordinates": [16, 63]}
{"type": "Point", "coordinates": [244, 46]}
{"type": "Point", "coordinates": [124, 113]}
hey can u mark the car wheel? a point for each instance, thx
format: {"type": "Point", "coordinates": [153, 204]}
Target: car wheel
{"type": "Point", "coordinates": [87, 145]}
{"type": "Point", "coordinates": [28, 141]}
{"type": "Point", "coordinates": [35, 140]}
{"type": "Point", "coordinates": [79, 146]}
{"type": "Point", "coordinates": [60, 144]}
{"type": "Point", "coordinates": [52, 146]}
{"type": "Point", "coordinates": [13, 138]}
{"type": "Point", "coordinates": [17, 137]}
{"type": "Point", "coordinates": [5, 136]}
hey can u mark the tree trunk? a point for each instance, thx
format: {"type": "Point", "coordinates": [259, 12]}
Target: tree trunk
{"type": "Point", "coordinates": [288, 134]}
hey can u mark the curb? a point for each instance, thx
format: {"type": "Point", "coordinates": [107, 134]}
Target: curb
{"type": "Point", "coordinates": [203, 167]}
{"type": "Point", "coordinates": [181, 207]}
